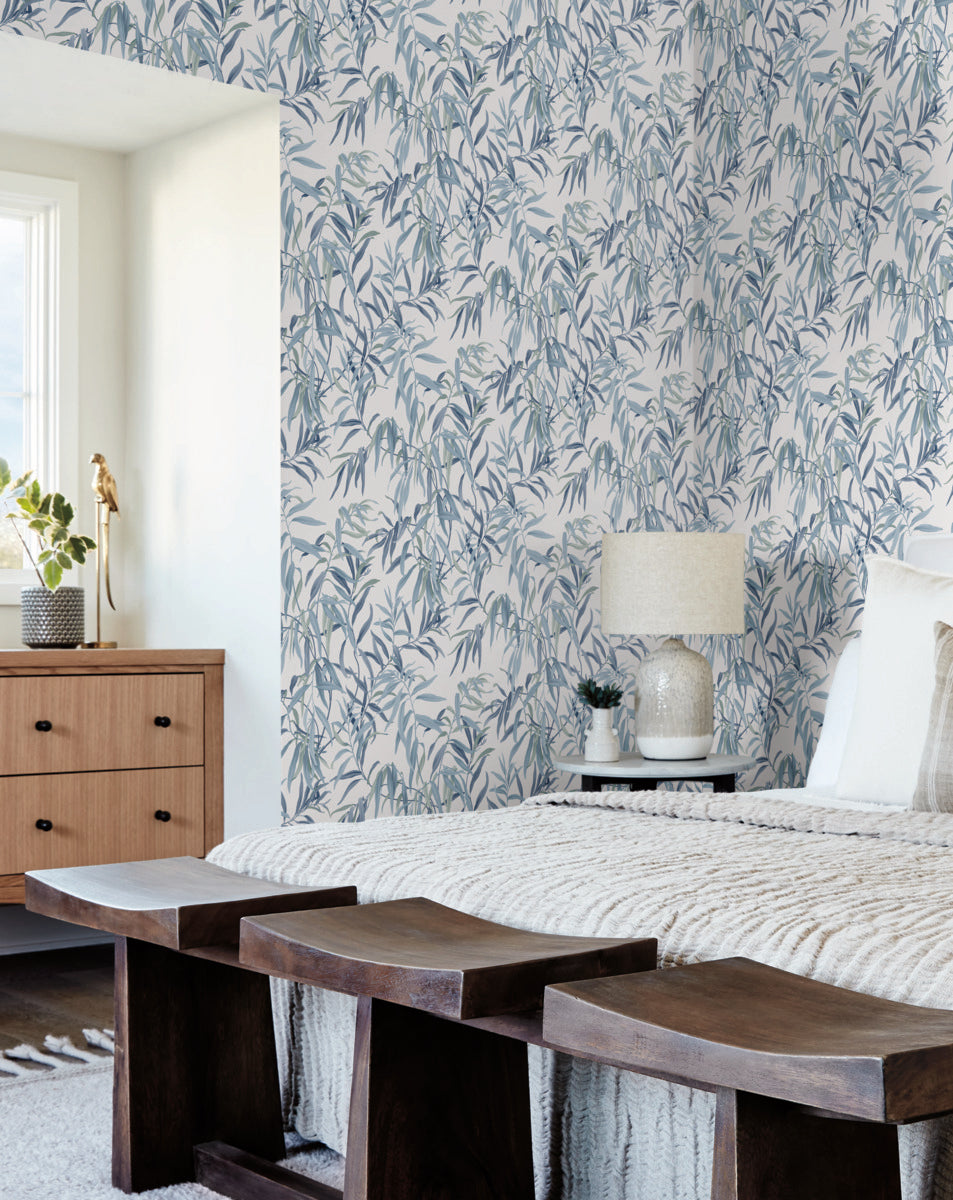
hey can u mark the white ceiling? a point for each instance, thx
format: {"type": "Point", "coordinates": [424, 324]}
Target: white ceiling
{"type": "Point", "coordinates": [87, 99]}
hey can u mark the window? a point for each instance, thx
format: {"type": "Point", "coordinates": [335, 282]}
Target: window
{"type": "Point", "coordinates": [13, 399]}
{"type": "Point", "coordinates": [38, 339]}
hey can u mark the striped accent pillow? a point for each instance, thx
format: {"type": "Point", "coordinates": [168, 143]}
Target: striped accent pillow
{"type": "Point", "coordinates": [935, 782]}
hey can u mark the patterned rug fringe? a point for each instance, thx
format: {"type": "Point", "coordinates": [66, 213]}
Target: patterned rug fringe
{"type": "Point", "coordinates": [27, 1053]}
{"type": "Point", "coordinates": [62, 1053]}
{"type": "Point", "coordinates": [64, 1046]}
{"type": "Point", "coordinates": [11, 1068]}
{"type": "Point", "coordinates": [102, 1039]}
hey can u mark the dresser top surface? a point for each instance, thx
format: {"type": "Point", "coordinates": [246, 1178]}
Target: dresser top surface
{"type": "Point", "coordinates": [132, 657]}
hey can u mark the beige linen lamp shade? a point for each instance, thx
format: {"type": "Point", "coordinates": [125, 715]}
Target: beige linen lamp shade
{"type": "Point", "coordinates": [665, 583]}
{"type": "Point", "coordinates": [673, 583]}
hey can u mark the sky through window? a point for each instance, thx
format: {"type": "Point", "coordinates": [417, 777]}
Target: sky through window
{"type": "Point", "coordinates": [13, 240]}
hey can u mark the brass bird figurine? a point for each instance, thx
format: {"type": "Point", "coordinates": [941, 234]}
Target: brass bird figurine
{"type": "Point", "coordinates": [106, 493]}
{"type": "Point", "coordinates": [104, 484]}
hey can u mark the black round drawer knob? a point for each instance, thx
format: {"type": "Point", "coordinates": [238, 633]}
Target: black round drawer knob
{"type": "Point", "coordinates": [44, 726]}
{"type": "Point", "coordinates": [162, 815]}
{"type": "Point", "coordinates": [45, 825]}
{"type": "Point", "coordinates": [163, 722]}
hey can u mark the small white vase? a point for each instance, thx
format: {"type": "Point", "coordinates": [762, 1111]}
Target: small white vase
{"type": "Point", "coordinates": [602, 741]}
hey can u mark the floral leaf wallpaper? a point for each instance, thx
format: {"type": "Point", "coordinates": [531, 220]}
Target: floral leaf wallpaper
{"type": "Point", "coordinates": [556, 268]}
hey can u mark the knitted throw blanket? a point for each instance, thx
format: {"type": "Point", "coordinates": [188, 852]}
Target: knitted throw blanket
{"type": "Point", "coordinates": [864, 900]}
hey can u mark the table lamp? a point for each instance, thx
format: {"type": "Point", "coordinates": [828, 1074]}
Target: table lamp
{"type": "Point", "coordinates": [673, 583]}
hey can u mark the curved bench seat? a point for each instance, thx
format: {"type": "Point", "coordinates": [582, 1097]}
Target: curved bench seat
{"type": "Point", "coordinates": [427, 956]}
{"type": "Point", "coordinates": [737, 1023]}
{"type": "Point", "coordinates": [440, 1108]}
{"type": "Point", "coordinates": [785, 1055]}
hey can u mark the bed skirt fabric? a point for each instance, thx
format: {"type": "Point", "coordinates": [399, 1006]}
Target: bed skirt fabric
{"type": "Point", "coordinates": [864, 900]}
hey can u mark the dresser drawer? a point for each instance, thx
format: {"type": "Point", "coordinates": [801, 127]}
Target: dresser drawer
{"type": "Point", "coordinates": [60, 723]}
{"type": "Point", "coordinates": [100, 817]}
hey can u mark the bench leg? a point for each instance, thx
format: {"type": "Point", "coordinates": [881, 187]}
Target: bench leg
{"type": "Point", "coordinates": [770, 1150]}
{"type": "Point", "coordinates": [439, 1111]}
{"type": "Point", "coordinates": [195, 1062]}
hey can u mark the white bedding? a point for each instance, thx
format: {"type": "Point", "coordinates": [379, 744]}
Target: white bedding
{"type": "Point", "coordinates": [821, 798]}
{"type": "Point", "coordinates": [861, 899]}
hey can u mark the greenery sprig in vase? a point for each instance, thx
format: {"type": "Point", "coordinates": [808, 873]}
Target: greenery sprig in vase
{"type": "Point", "coordinates": [49, 515]}
{"type": "Point", "coordinates": [602, 741]}
{"type": "Point", "coordinates": [52, 615]}
{"type": "Point", "coordinates": [599, 695]}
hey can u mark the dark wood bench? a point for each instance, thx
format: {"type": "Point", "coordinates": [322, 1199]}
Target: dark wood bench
{"type": "Point", "coordinates": [447, 1004]}
{"type": "Point", "coordinates": [440, 1092]}
{"type": "Point", "coordinates": [811, 1080]}
{"type": "Point", "coordinates": [195, 1049]}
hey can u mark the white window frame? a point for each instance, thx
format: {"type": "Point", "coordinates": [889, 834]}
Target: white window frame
{"type": "Point", "coordinates": [51, 366]}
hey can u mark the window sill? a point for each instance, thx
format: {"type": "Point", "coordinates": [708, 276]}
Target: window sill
{"type": "Point", "coordinates": [10, 584]}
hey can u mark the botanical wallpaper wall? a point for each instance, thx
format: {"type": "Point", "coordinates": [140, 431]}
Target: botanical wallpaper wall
{"type": "Point", "coordinates": [552, 268]}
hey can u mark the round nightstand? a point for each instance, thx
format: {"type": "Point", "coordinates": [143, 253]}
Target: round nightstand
{"type": "Point", "coordinates": [645, 774]}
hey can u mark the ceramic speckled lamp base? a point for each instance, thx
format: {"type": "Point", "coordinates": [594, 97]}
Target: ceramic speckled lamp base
{"type": "Point", "coordinates": [674, 703]}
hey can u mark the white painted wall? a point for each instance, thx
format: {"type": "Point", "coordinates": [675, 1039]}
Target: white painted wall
{"type": "Point", "coordinates": [100, 177]}
{"type": "Point", "coordinates": [179, 366]}
{"type": "Point", "coordinates": [57, 93]}
{"type": "Point", "coordinates": [202, 478]}
{"type": "Point", "coordinates": [23, 932]}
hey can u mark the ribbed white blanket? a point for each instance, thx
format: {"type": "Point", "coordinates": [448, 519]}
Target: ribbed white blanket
{"type": "Point", "coordinates": [862, 900]}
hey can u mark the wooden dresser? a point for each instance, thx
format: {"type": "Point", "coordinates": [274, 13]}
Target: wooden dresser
{"type": "Point", "coordinates": [107, 756]}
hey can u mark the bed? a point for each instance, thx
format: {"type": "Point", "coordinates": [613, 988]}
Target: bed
{"type": "Point", "coordinates": [839, 887]}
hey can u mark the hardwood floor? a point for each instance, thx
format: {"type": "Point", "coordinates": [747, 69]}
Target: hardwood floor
{"type": "Point", "coordinates": [55, 991]}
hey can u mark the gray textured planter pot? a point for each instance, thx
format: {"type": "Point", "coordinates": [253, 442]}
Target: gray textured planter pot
{"type": "Point", "coordinates": [52, 620]}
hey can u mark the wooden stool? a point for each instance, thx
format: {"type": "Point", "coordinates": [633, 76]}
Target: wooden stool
{"type": "Point", "coordinates": [440, 1093]}
{"type": "Point", "coordinates": [195, 1048]}
{"type": "Point", "coordinates": [786, 1057]}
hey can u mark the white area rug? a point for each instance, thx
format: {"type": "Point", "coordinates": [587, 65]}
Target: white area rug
{"type": "Point", "coordinates": [55, 1138]}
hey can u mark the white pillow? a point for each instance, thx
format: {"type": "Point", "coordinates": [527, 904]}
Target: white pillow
{"type": "Point", "coordinates": [895, 681]}
{"type": "Point", "coordinates": [829, 751]}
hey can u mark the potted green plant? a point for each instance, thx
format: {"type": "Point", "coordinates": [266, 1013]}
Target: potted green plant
{"type": "Point", "coordinates": [602, 741]}
{"type": "Point", "coordinates": [52, 616]}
